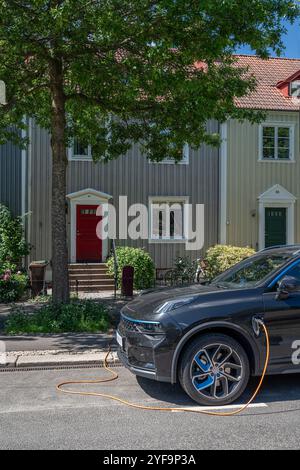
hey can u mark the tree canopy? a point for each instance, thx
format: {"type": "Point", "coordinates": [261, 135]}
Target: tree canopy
{"type": "Point", "coordinates": [114, 72]}
{"type": "Point", "coordinates": [127, 67]}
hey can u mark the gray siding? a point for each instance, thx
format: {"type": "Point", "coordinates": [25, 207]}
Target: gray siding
{"type": "Point", "coordinates": [10, 177]}
{"type": "Point", "coordinates": [39, 194]}
{"type": "Point", "coordinates": [130, 175]}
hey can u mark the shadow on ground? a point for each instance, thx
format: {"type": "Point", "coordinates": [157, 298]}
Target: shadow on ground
{"type": "Point", "coordinates": [65, 341]}
{"type": "Point", "coordinates": [275, 389]}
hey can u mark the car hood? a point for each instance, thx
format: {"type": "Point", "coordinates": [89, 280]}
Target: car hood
{"type": "Point", "coordinates": [145, 305]}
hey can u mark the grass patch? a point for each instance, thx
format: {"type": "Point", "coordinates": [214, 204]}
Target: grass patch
{"type": "Point", "coordinates": [77, 316]}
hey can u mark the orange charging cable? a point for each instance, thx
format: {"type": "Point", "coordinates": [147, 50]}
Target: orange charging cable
{"type": "Point", "coordinates": [115, 376]}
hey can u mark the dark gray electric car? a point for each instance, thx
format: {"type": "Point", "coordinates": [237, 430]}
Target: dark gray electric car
{"type": "Point", "coordinates": [206, 336]}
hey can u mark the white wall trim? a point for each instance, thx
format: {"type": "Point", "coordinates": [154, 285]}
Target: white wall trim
{"type": "Point", "coordinates": [23, 171]}
{"type": "Point", "coordinates": [223, 184]}
{"type": "Point", "coordinates": [277, 196]}
{"type": "Point", "coordinates": [85, 196]}
{"type": "Point", "coordinates": [89, 192]}
{"type": "Point", "coordinates": [29, 180]}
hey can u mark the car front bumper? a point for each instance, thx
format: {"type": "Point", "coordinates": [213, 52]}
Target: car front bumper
{"type": "Point", "coordinates": [147, 355]}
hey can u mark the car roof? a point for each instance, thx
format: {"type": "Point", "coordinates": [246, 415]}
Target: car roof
{"type": "Point", "coordinates": [292, 250]}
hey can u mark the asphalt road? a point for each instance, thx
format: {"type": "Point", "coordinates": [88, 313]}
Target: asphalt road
{"type": "Point", "coordinates": [34, 416]}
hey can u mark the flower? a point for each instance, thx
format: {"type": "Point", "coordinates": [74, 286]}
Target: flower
{"type": "Point", "coordinates": [7, 275]}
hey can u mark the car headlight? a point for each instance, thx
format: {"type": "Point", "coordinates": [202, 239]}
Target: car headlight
{"type": "Point", "coordinates": [150, 328]}
{"type": "Point", "coordinates": [173, 304]}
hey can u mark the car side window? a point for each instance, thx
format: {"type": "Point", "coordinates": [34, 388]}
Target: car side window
{"type": "Point", "coordinates": [294, 272]}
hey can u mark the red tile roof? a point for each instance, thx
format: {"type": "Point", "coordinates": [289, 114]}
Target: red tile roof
{"type": "Point", "coordinates": [268, 73]}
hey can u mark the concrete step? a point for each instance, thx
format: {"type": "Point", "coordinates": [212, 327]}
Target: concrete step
{"type": "Point", "coordinates": [94, 288]}
{"type": "Point", "coordinates": [88, 271]}
{"type": "Point", "coordinates": [87, 265]}
{"type": "Point", "coordinates": [85, 276]}
{"type": "Point", "coordinates": [92, 282]}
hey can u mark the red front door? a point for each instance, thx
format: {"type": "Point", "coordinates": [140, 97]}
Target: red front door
{"type": "Point", "coordinates": [88, 245]}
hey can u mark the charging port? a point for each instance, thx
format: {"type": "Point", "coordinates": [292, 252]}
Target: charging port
{"type": "Point", "coordinates": [257, 321]}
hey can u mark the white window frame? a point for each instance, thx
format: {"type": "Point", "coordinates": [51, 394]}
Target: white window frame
{"type": "Point", "coordinates": [291, 84]}
{"type": "Point", "coordinates": [170, 161]}
{"type": "Point", "coordinates": [80, 158]}
{"type": "Point", "coordinates": [276, 125]}
{"type": "Point", "coordinates": [167, 200]}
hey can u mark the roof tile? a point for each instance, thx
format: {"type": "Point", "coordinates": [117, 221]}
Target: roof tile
{"type": "Point", "coordinates": [268, 73]}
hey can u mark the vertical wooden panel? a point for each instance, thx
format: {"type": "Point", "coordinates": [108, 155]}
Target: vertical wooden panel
{"type": "Point", "coordinates": [248, 178]}
{"type": "Point", "coordinates": [11, 177]}
{"type": "Point", "coordinates": [131, 175]}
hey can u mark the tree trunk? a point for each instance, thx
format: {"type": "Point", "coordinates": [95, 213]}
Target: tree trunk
{"type": "Point", "coordinates": [60, 276]}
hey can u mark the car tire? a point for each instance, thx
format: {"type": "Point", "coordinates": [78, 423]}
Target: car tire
{"type": "Point", "coordinates": [214, 369]}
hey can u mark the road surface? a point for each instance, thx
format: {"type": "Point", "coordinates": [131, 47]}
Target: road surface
{"type": "Point", "coordinates": [33, 415]}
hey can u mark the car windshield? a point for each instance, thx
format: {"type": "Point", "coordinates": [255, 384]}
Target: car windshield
{"type": "Point", "coordinates": [252, 271]}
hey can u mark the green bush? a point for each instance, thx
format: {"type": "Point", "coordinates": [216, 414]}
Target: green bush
{"type": "Point", "coordinates": [77, 316]}
{"type": "Point", "coordinates": [184, 270]}
{"type": "Point", "coordinates": [12, 286]}
{"type": "Point", "coordinates": [12, 243]}
{"type": "Point", "coordinates": [221, 257]}
{"type": "Point", "coordinates": [140, 260]}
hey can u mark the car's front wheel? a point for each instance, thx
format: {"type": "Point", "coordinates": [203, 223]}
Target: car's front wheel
{"type": "Point", "coordinates": [214, 369]}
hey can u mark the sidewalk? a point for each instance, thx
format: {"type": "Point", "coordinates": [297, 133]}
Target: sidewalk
{"type": "Point", "coordinates": [29, 350]}
{"type": "Point", "coordinates": [58, 350]}
{"type": "Point", "coordinates": [69, 342]}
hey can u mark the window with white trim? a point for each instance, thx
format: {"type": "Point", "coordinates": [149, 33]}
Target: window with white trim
{"type": "Point", "coordinates": [167, 218]}
{"type": "Point", "coordinates": [295, 89]}
{"type": "Point", "coordinates": [277, 142]}
{"type": "Point", "coordinates": [183, 161]}
{"type": "Point", "coordinates": [79, 152]}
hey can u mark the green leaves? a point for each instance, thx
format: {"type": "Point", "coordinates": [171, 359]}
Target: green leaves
{"type": "Point", "coordinates": [134, 61]}
{"type": "Point", "coordinates": [222, 257]}
{"type": "Point", "coordinates": [13, 288]}
{"type": "Point", "coordinates": [77, 316]}
{"type": "Point", "coordinates": [12, 243]}
{"type": "Point", "coordinates": [140, 260]}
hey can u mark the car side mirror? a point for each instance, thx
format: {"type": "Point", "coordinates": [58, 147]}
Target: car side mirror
{"type": "Point", "coordinates": [286, 286]}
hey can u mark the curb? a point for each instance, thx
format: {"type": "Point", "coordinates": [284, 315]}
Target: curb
{"type": "Point", "coordinates": [43, 360]}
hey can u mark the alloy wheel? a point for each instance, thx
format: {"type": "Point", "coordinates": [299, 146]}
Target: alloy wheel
{"type": "Point", "coordinates": [216, 371]}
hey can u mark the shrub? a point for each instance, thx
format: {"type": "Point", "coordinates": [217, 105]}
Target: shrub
{"type": "Point", "coordinates": [140, 260]}
{"type": "Point", "coordinates": [12, 243]}
{"type": "Point", "coordinates": [184, 270]}
{"type": "Point", "coordinates": [221, 257]}
{"type": "Point", "coordinates": [77, 316]}
{"type": "Point", "coordinates": [12, 286]}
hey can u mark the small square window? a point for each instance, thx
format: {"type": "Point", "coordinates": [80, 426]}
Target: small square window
{"type": "Point", "coordinates": [183, 161]}
{"type": "Point", "coordinates": [295, 89]}
{"type": "Point", "coordinates": [276, 142]}
{"type": "Point", "coordinates": [79, 152]}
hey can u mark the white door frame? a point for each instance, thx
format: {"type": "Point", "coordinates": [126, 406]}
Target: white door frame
{"type": "Point", "coordinates": [277, 196]}
{"type": "Point", "coordinates": [82, 197]}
